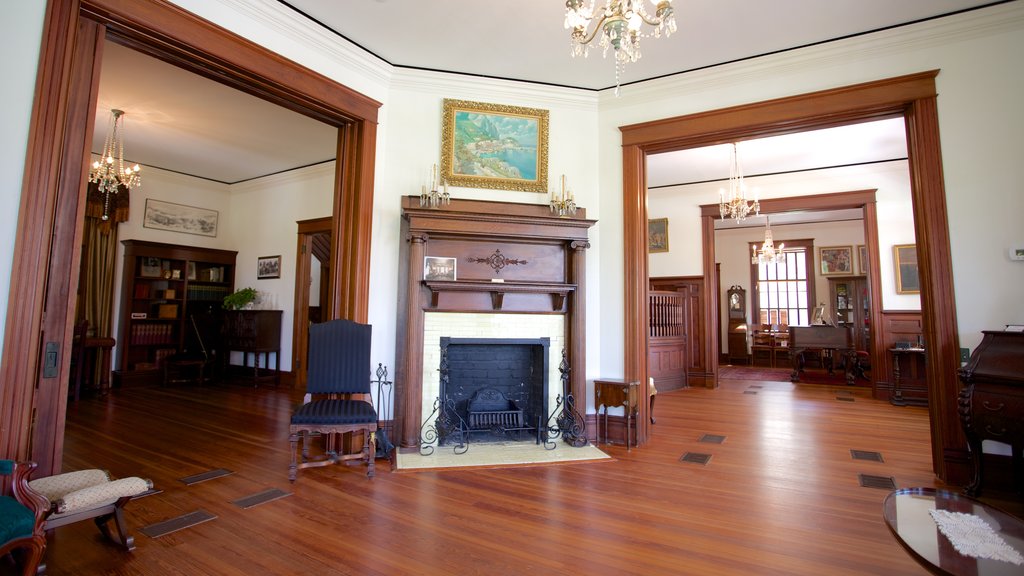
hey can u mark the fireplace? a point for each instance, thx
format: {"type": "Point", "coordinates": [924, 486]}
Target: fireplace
{"type": "Point", "coordinates": [497, 387]}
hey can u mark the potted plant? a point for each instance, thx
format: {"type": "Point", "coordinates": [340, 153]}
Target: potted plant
{"type": "Point", "coordinates": [240, 299]}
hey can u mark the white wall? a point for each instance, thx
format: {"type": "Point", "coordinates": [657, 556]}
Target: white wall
{"type": "Point", "coordinates": [23, 39]}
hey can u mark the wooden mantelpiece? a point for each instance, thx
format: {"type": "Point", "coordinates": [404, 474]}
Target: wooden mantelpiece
{"type": "Point", "coordinates": [510, 258]}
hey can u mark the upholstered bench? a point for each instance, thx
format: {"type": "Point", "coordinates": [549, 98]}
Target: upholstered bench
{"type": "Point", "coordinates": [85, 494]}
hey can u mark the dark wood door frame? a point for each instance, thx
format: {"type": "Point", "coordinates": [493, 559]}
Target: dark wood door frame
{"type": "Point", "coordinates": [912, 97]}
{"type": "Point", "coordinates": [50, 215]}
{"type": "Point", "coordinates": [307, 229]}
{"type": "Point", "coordinates": [858, 199]}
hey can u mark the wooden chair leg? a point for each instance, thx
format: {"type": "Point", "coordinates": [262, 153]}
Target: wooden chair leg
{"type": "Point", "coordinates": [368, 441]}
{"type": "Point", "coordinates": [293, 468]}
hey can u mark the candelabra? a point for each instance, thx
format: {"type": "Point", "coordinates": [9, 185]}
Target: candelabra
{"type": "Point", "coordinates": [562, 203]}
{"type": "Point", "coordinates": [437, 194]}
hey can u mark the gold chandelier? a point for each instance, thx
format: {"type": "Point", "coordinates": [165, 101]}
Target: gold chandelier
{"type": "Point", "coordinates": [620, 24]}
{"type": "Point", "coordinates": [110, 171]}
{"type": "Point", "coordinates": [768, 253]}
{"type": "Point", "coordinates": [437, 194]}
{"type": "Point", "coordinates": [733, 203]}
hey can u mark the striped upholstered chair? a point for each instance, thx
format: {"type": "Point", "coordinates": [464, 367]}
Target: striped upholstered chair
{"type": "Point", "coordinates": [21, 516]}
{"type": "Point", "coordinates": [338, 385]}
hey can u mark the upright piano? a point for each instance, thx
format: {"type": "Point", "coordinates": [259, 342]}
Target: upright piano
{"type": "Point", "coordinates": [839, 339]}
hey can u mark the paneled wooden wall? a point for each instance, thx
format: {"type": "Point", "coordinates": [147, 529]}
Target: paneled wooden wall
{"type": "Point", "coordinates": [691, 288]}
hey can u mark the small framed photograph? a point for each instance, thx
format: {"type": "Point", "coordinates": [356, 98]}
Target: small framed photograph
{"type": "Point", "coordinates": [835, 260]}
{"type": "Point", "coordinates": [268, 267]}
{"type": "Point", "coordinates": [862, 259]}
{"type": "Point", "coordinates": [438, 268]}
{"type": "Point", "coordinates": [904, 258]}
{"type": "Point", "coordinates": [657, 235]}
{"type": "Point", "coordinates": [191, 270]}
{"type": "Point", "coordinates": [150, 267]}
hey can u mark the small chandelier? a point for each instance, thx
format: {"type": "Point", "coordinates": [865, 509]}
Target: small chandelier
{"type": "Point", "coordinates": [768, 254]}
{"type": "Point", "coordinates": [437, 194]}
{"type": "Point", "coordinates": [110, 172]}
{"type": "Point", "coordinates": [620, 23]}
{"type": "Point", "coordinates": [563, 203]}
{"type": "Point", "coordinates": [733, 204]}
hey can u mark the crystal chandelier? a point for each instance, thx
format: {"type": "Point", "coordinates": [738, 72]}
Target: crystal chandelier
{"type": "Point", "coordinates": [768, 254]}
{"type": "Point", "coordinates": [733, 204]}
{"type": "Point", "coordinates": [436, 194]}
{"type": "Point", "coordinates": [563, 202]}
{"type": "Point", "coordinates": [620, 24]}
{"type": "Point", "coordinates": [110, 172]}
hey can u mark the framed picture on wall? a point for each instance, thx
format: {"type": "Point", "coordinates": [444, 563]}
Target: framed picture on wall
{"type": "Point", "coordinates": [834, 260]}
{"type": "Point", "coordinates": [268, 267]}
{"type": "Point", "coordinates": [862, 259]}
{"type": "Point", "coordinates": [904, 258]}
{"type": "Point", "coordinates": [657, 235]}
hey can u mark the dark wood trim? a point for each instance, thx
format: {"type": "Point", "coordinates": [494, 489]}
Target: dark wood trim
{"type": "Point", "coordinates": [913, 97]}
{"type": "Point", "coordinates": [636, 316]}
{"type": "Point", "coordinates": [809, 203]}
{"type": "Point", "coordinates": [50, 222]}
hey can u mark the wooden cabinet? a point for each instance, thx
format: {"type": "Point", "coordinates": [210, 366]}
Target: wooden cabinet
{"type": "Point", "coordinates": [851, 299]}
{"type": "Point", "coordinates": [164, 289]}
{"type": "Point", "coordinates": [256, 332]}
{"type": "Point", "coordinates": [992, 408]}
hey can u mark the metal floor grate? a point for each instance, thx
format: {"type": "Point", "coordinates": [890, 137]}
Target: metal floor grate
{"type": "Point", "coordinates": [750, 391]}
{"type": "Point", "coordinates": [174, 524]}
{"type": "Point", "coordinates": [870, 481]}
{"type": "Point", "coordinates": [755, 386]}
{"type": "Point", "coordinates": [844, 398]}
{"type": "Point", "coordinates": [208, 475]}
{"type": "Point", "coordinates": [696, 458]}
{"type": "Point", "coordinates": [260, 498]}
{"type": "Point", "coordinates": [711, 438]}
{"type": "Point", "coordinates": [866, 455]}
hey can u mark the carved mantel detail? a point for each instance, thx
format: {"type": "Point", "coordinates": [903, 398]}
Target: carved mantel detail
{"type": "Point", "coordinates": [497, 261]}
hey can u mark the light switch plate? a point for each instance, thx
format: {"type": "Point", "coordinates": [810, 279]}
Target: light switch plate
{"type": "Point", "coordinates": [965, 355]}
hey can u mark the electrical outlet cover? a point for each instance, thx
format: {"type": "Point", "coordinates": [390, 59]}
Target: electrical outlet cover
{"type": "Point", "coordinates": [965, 354]}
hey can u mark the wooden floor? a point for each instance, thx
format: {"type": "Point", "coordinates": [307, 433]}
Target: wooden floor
{"type": "Point", "coordinates": [779, 496]}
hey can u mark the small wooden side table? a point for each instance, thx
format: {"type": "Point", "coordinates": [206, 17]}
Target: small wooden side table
{"type": "Point", "coordinates": [616, 392]}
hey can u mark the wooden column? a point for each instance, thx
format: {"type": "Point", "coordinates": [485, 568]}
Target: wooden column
{"type": "Point", "coordinates": [578, 324]}
{"type": "Point", "coordinates": [409, 393]}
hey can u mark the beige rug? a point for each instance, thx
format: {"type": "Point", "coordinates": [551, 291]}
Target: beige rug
{"type": "Point", "coordinates": [496, 455]}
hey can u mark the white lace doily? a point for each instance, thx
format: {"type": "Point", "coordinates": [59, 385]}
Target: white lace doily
{"type": "Point", "coordinates": [972, 536]}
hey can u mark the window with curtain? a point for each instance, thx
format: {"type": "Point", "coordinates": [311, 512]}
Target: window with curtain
{"type": "Point", "coordinates": [784, 291]}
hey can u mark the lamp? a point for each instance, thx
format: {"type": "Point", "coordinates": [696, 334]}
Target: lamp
{"type": "Point", "coordinates": [563, 203]}
{"type": "Point", "coordinates": [110, 172]}
{"type": "Point", "coordinates": [620, 24]}
{"type": "Point", "coordinates": [437, 195]}
{"type": "Point", "coordinates": [734, 204]}
{"type": "Point", "coordinates": [768, 254]}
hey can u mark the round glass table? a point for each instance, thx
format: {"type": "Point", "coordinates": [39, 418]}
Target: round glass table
{"type": "Point", "coordinates": [906, 512]}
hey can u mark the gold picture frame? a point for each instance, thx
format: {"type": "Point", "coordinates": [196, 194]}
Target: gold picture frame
{"type": "Point", "coordinates": [494, 146]}
{"type": "Point", "coordinates": [657, 235]}
{"type": "Point", "coordinates": [908, 279]}
{"type": "Point", "coordinates": [862, 259]}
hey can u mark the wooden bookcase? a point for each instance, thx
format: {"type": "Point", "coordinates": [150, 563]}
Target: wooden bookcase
{"type": "Point", "coordinates": [164, 288]}
{"type": "Point", "coordinates": [851, 303]}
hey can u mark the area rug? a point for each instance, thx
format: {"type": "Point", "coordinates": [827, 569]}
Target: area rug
{"type": "Point", "coordinates": [496, 455]}
{"type": "Point", "coordinates": [754, 373]}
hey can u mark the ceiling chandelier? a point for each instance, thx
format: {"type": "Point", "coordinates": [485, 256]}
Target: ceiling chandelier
{"type": "Point", "coordinates": [437, 194]}
{"type": "Point", "coordinates": [110, 171]}
{"type": "Point", "coordinates": [620, 24]}
{"type": "Point", "coordinates": [768, 253]}
{"type": "Point", "coordinates": [733, 203]}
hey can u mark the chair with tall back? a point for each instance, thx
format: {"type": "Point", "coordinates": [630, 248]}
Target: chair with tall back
{"type": "Point", "coordinates": [21, 516]}
{"type": "Point", "coordinates": [338, 383]}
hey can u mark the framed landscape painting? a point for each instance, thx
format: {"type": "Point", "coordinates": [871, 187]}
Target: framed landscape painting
{"type": "Point", "coordinates": [161, 215]}
{"type": "Point", "coordinates": [657, 235]}
{"type": "Point", "coordinates": [494, 146]}
{"type": "Point", "coordinates": [835, 260]}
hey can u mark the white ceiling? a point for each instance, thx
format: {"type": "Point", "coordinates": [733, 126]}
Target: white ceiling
{"type": "Point", "coordinates": [181, 122]}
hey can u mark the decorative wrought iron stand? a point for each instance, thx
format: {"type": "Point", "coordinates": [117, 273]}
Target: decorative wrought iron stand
{"type": "Point", "coordinates": [568, 422]}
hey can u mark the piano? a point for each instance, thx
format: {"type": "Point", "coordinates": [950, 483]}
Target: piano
{"type": "Point", "coordinates": [839, 339]}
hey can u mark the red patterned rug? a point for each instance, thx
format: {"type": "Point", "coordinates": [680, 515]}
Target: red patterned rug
{"type": "Point", "coordinates": [754, 373]}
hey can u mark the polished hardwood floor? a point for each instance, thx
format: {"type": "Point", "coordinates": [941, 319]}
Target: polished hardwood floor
{"type": "Point", "coordinates": [779, 496]}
